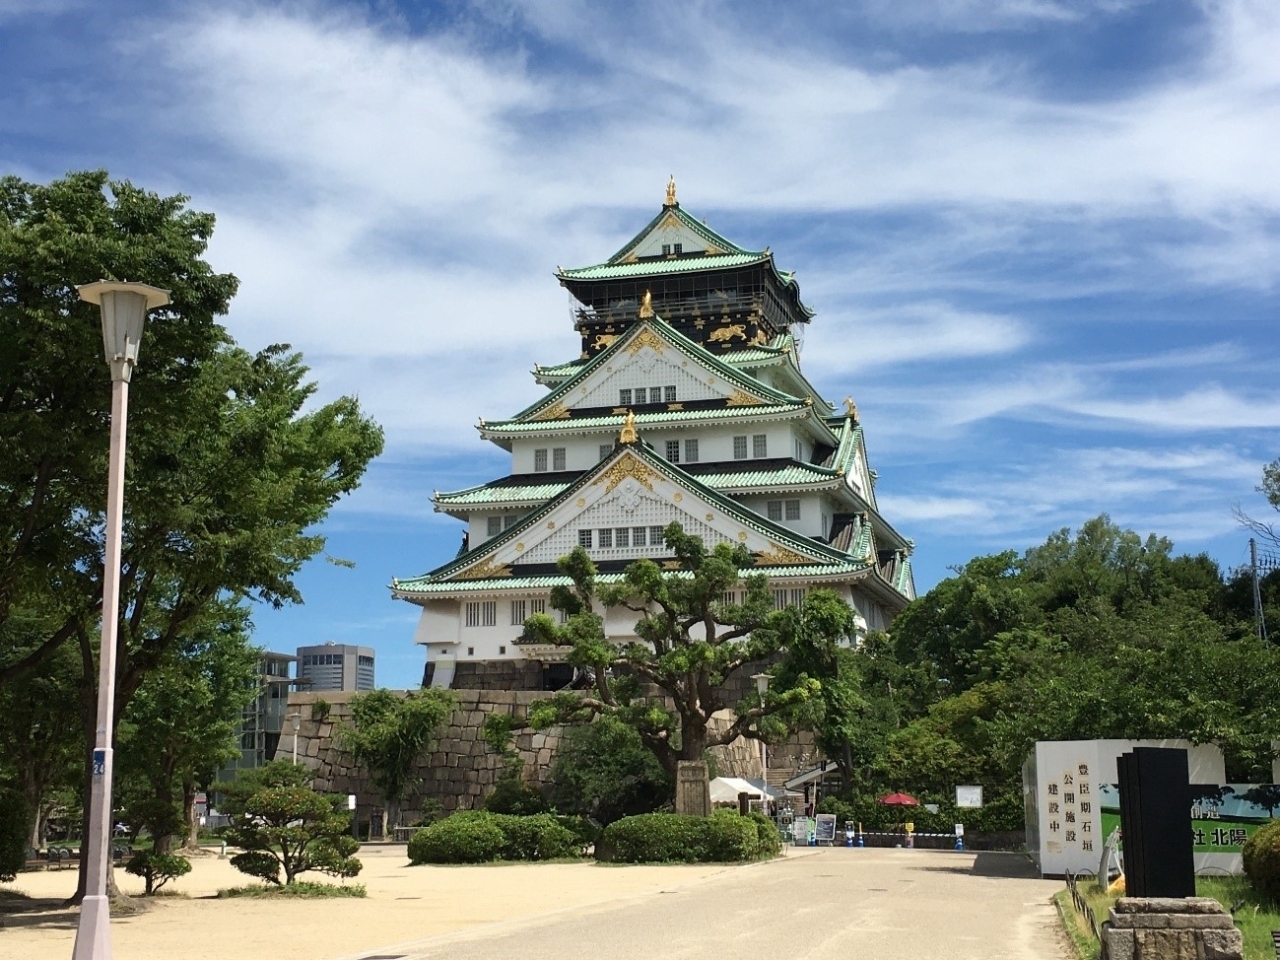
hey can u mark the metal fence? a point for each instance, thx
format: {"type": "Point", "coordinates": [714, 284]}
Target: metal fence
{"type": "Point", "coordinates": [1081, 905]}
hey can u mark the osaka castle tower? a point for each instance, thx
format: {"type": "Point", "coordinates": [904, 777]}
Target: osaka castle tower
{"type": "Point", "coordinates": [686, 403]}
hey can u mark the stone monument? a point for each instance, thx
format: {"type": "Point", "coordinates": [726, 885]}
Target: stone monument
{"type": "Point", "coordinates": [1166, 928]}
{"type": "Point", "coordinates": [693, 788]}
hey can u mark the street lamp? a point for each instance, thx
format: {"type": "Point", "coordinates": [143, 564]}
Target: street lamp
{"type": "Point", "coordinates": [124, 307]}
{"type": "Point", "coordinates": [296, 719]}
{"type": "Point", "coordinates": [762, 687]}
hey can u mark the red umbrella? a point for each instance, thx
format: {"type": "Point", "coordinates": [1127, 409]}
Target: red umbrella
{"type": "Point", "coordinates": [899, 800]}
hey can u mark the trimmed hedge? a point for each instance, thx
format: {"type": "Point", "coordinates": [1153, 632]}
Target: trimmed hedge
{"type": "Point", "coordinates": [723, 837]}
{"type": "Point", "coordinates": [1261, 856]}
{"type": "Point", "coordinates": [477, 836]}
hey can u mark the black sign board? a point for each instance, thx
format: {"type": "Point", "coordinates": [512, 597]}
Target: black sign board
{"type": "Point", "coordinates": [1155, 821]}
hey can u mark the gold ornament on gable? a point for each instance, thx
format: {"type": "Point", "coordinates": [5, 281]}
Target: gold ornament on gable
{"type": "Point", "coordinates": [488, 570]}
{"type": "Point", "coordinates": [779, 556]}
{"type": "Point", "coordinates": [740, 398]}
{"type": "Point", "coordinates": [557, 411]}
{"type": "Point", "coordinates": [646, 338]}
{"type": "Point", "coordinates": [628, 467]}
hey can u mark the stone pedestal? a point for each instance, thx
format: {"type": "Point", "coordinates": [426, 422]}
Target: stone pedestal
{"type": "Point", "coordinates": [1159, 928]}
{"type": "Point", "coordinates": [693, 788]}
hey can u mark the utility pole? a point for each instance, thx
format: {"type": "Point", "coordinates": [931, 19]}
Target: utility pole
{"type": "Point", "coordinates": [1260, 621]}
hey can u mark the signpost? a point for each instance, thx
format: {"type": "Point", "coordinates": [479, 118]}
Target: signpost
{"type": "Point", "coordinates": [825, 828]}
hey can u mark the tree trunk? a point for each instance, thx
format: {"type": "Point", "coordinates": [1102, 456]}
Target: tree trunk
{"type": "Point", "coordinates": [189, 816]}
{"type": "Point", "coordinates": [391, 815]}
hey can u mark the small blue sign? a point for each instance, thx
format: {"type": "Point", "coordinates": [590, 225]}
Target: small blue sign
{"type": "Point", "coordinates": [99, 763]}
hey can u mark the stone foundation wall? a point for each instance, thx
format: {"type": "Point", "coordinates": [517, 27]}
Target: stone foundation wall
{"type": "Point", "coordinates": [461, 771]}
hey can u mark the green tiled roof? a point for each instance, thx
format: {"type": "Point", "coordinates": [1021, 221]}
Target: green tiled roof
{"type": "Point", "coordinates": [499, 494]}
{"type": "Point", "coordinates": [649, 268]}
{"type": "Point", "coordinates": [516, 428]}
{"type": "Point", "coordinates": [776, 350]}
{"type": "Point", "coordinates": [418, 586]}
{"type": "Point", "coordinates": [690, 223]}
{"type": "Point", "coordinates": [694, 351]}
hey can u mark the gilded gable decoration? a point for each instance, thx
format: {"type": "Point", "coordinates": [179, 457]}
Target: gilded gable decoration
{"type": "Point", "coordinates": [646, 338]}
{"type": "Point", "coordinates": [646, 306]}
{"type": "Point", "coordinates": [628, 466]}
{"type": "Point", "coordinates": [557, 411]}
{"type": "Point", "coordinates": [727, 333]}
{"type": "Point", "coordinates": [628, 432]}
{"type": "Point", "coordinates": [740, 398]}
{"type": "Point", "coordinates": [671, 192]}
{"type": "Point", "coordinates": [779, 556]}
{"type": "Point", "coordinates": [603, 340]}
{"type": "Point", "coordinates": [488, 570]}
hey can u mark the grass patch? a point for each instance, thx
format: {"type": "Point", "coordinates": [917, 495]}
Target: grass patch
{"type": "Point", "coordinates": [300, 888]}
{"type": "Point", "coordinates": [1256, 917]}
{"type": "Point", "coordinates": [6, 894]}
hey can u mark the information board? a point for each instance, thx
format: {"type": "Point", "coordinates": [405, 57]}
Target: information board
{"type": "Point", "coordinates": [825, 828]}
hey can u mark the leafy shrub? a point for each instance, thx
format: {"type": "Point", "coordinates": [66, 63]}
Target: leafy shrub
{"type": "Point", "coordinates": [603, 770]}
{"type": "Point", "coordinates": [306, 889]}
{"type": "Point", "coordinates": [13, 833]}
{"type": "Point", "coordinates": [1003, 811]}
{"type": "Point", "coordinates": [469, 837]}
{"type": "Point", "coordinates": [767, 835]}
{"type": "Point", "coordinates": [1261, 854]}
{"type": "Point", "coordinates": [157, 869]}
{"type": "Point", "coordinates": [480, 836]}
{"type": "Point", "coordinates": [512, 795]}
{"type": "Point", "coordinates": [673, 838]}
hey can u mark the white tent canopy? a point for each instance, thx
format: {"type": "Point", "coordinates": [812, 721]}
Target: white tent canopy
{"type": "Point", "coordinates": [726, 789]}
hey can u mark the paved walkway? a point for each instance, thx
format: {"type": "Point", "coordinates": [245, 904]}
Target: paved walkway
{"type": "Point", "coordinates": [813, 905]}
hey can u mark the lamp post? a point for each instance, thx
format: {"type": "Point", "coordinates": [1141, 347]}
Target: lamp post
{"type": "Point", "coordinates": [762, 687]}
{"type": "Point", "coordinates": [296, 719]}
{"type": "Point", "coordinates": [124, 308]}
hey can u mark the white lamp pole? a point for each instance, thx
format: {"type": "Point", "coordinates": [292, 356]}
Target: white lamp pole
{"type": "Point", "coordinates": [124, 307]}
{"type": "Point", "coordinates": [296, 719]}
{"type": "Point", "coordinates": [762, 687]}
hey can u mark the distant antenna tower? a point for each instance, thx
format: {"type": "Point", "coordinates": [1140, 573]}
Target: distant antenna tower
{"type": "Point", "coordinates": [1268, 563]}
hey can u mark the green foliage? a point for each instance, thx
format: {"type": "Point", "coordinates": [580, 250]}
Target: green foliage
{"type": "Point", "coordinates": [723, 837]}
{"type": "Point", "coordinates": [286, 827]}
{"type": "Point", "coordinates": [691, 647]}
{"type": "Point", "coordinates": [768, 839]}
{"type": "Point", "coordinates": [604, 771]}
{"type": "Point", "coordinates": [514, 796]}
{"type": "Point", "coordinates": [157, 869]}
{"type": "Point", "coordinates": [304, 889]}
{"type": "Point", "coordinates": [13, 833]}
{"type": "Point", "coordinates": [1261, 854]}
{"type": "Point", "coordinates": [479, 836]}
{"type": "Point", "coordinates": [388, 735]}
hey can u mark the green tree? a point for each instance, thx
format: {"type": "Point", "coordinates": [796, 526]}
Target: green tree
{"type": "Point", "coordinates": [388, 735]}
{"type": "Point", "coordinates": [603, 770]}
{"type": "Point", "coordinates": [691, 647]}
{"type": "Point", "coordinates": [285, 827]}
{"type": "Point", "coordinates": [231, 464]}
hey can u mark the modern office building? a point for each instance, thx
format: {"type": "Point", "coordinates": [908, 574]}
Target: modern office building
{"type": "Point", "coordinates": [263, 720]}
{"type": "Point", "coordinates": [335, 666]}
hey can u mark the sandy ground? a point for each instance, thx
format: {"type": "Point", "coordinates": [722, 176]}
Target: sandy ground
{"type": "Point", "coordinates": [404, 904]}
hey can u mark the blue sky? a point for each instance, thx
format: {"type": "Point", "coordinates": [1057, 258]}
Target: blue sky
{"type": "Point", "coordinates": [1042, 238]}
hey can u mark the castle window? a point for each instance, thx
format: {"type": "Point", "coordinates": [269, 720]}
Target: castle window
{"type": "Point", "coordinates": [657, 536]}
{"type": "Point", "coordinates": [558, 458]}
{"type": "Point", "coordinates": [637, 536]}
{"type": "Point", "coordinates": [793, 509]}
{"type": "Point", "coordinates": [537, 606]}
{"type": "Point", "coordinates": [584, 539]}
{"type": "Point", "coordinates": [501, 650]}
{"type": "Point", "coordinates": [518, 614]}
{"type": "Point", "coordinates": [760, 446]}
{"type": "Point", "coordinates": [797, 597]}
{"type": "Point", "coordinates": [739, 448]}
{"type": "Point", "coordinates": [540, 460]}
{"type": "Point", "coordinates": [673, 451]}
{"type": "Point", "coordinates": [473, 614]}
{"type": "Point", "coordinates": [622, 537]}
{"type": "Point", "coordinates": [509, 520]}
{"type": "Point", "coordinates": [774, 508]}
{"type": "Point", "coordinates": [495, 526]}
{"type": "Point", "coordinates": [605, 450]}
{"type": "Point", "coordinates": [471, 651]}
{"type": "Point", "coordinates": [691, 451]}
{"type": "Point", "coordinates": [678, 249]}
{"type": "Point", "coordinates": [605, 539]}
{"type": "Point", "coordinates": [666, 249]}
{"type": "Point", "coordinates": [624, 398]}
{"type": "Point", "coordinates": [670, 394]}
{"type": "Point", "coordinates": [655, 394]}
{"type": "Point", "coordinates": [729, 597]}
{"type": "Point", "coordinates": [779, 599]}
{"type": "Point", "coordinates": [489, 613]}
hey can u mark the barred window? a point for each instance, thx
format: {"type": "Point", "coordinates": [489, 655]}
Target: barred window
{"type": "Point", "coordinates": [518, 612]}
{"type": "Point", "coordinates": [540, 460]}
{"type": "Point", "coordinates": [739, 448]}
{"type": "Point", "coordinates": [605, 539]}
{"type": "Point", "coordinates": [537, 606]}
{"type": "Point", "coordinates": [558, 458]}
{"type": "Point", "coordinates": [473, 614]}
{"type": "Point", "coordinates": [797, 597]}
{"type": "Point", "coordinates": [622, 537]}
{"type": "Point", "coordinates": [637, 536]}
{"type": "Point", "coordinates": [655, 394]}
{"type": "Point", "coordinates": [793, 509]}
{"type": "Point", "coordinates": [760, 446]}
{"type": "Point", "coordinates": [624, 398]}
{"type": "Point", "coordinates": [779, 599]}
{"type": "Point", "coordinates": [605, 450]}
{"type": "Point", "coordinates": [584, 539]}
{"type": "Point", "coordinates": [673, 451]}
{"type": "Point", "coordinates": [495, 526]}
{"type": "Point", "coordinates": [489, 613]}
{"type": "Point", "coordinates": [691, 451]}
{"type": "Point", "coordinates": [774, 508]}
{"type": "Point", "coordinates": [729, 597]}
{"type": "Point", "coordinates": [670, 394]}
{"type": "Point", "coordinates": [510, 520]}
{"type": "Point", "coordinates": [657, 536]}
